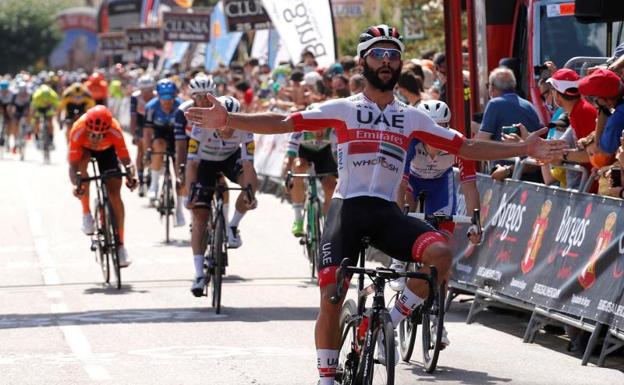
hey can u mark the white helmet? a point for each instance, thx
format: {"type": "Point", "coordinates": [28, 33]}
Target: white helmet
{"type": "Point", "coordinates": [436, 109]}
{"type": "Point", "coordinates": [378, 33]}
{"type": "Point", "coordinates": [145, 82]}
{"type": "Point", "coordinates": [231, 104]}
{"type": "Point", "coordinates": [201, 84]}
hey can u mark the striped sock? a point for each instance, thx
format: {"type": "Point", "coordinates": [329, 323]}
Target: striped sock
{"type": "Point", "coordinates": [327, 362]}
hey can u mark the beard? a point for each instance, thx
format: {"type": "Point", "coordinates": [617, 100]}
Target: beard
{"type": "Point", "coordinates": [373, 77]}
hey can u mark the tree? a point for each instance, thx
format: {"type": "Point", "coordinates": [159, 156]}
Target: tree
{"type": "Point", "coordinates": [28, 31]}
{"type": "Point", "coordinates": [390, 12]}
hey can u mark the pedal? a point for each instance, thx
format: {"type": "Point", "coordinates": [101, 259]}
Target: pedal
{"type": "Point", "coordinates": [302, 241]}
{"type": "Point", "coordinates": [93, 246]}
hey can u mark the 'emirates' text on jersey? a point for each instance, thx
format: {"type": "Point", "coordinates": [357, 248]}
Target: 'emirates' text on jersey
{"type": "Point", "coordinates": [372, 144]}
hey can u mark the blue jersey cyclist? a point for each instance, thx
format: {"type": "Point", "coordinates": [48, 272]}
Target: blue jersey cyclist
{"type": "Point", "coordinates": [430, 171]}
{"type": "Point", "coordinates": [160, 115]}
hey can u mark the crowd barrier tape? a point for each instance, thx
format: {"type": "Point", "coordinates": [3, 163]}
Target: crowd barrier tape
{"type": "Point", "coordinates": [547, 246]}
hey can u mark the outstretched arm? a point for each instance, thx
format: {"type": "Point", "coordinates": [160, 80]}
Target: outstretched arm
{"type": "Point", "coordinates": [534, 146]}
{"type": "Point", "coordinates": [218, 117]}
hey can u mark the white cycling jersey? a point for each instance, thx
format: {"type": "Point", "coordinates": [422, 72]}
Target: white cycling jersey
{"type": "Point", "coordinates": [372, 144]}
{"type": "Point", "coordinates": [207, 144]}
{"type": "Point", "coordinates": [422, 166]}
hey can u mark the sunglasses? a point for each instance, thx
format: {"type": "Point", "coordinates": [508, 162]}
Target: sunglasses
{"type": "Point", "coordinates": [381, 53]}
{"type": "Point", "coordinates": [96, 137]}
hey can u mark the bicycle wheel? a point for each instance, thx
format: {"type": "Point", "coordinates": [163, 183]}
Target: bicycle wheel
{"type": "Point", "coordinates": [46, 142]}
{"type": "Point", "coordinates": [379, 373]}
{"type": "Point", "coordinates": [218, 259]}
{"type": "Point", "coordinates": [432, 342]}
{"type": "Point", "coordinates": [350, 348]}
{"type": "Point", "coordinates": [311, 238]}
{"type": "Point", "coordinates": [114, 242]}
{"type": "Point", "coordinates": [101, 251]}
{"type": "Point", "coordinates": [166, 204]}
{"type": "Point", "coordinates": [407, 335]}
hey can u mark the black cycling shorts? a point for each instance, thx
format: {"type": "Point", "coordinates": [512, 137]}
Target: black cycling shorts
{"type": "Point", "coordinates": [208, 173]}
{"type": "Point", "coordinates": [324, 162]}
{"type": "Point", "coordinates": [167, 135]}
{"type": "Point", "coordinates": [389, 230]}
{"type": "Point", "coordinates": [106, 159]}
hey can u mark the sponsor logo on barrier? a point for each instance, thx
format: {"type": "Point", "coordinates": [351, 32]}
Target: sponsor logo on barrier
{"type": "Point", "coordinates": [572, 230]}
{"type": "Point", "coordinates": [509, 216]}
{"type": "Point", "coordinates": [588, 274]}
{"type": "Point", "coordinates": [579, 300]}
{"type": "Point", "coordinates": [610, 307]}
{"type": "Point", "coordinates": [518, 284]}
{"type": "Point", "coordinates": [546, 291]}
{"type": "Point", "coordinates": [489, 273]}
{"type": "Point", "coordinates": [535, 241]}
{"type": "Point", "coordinates": [464, 268]}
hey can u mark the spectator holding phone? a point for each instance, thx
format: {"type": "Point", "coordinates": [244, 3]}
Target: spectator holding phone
{"type": "Point", "coordinates": [506, 109]}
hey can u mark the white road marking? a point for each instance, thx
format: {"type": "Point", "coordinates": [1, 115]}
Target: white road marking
{"type": "Point", "coordinates": [73, 334]}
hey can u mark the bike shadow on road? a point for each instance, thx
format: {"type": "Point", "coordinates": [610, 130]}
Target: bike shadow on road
{"type": "Point", "coordinates": [461, 376]}
{"type": "Point", "coordinates": [159, 315]}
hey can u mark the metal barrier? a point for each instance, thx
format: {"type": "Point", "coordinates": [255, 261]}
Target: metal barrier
{"type": "Point", "coordinates": [574, 167]}
{"type": "Point", "coordinates": [584, 62]}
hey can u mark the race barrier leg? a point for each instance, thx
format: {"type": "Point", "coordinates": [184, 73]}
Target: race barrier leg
{"type": "Point", "coordinates": [613, 341]}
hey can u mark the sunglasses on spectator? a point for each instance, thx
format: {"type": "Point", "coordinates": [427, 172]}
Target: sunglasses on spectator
{"type": "Point", "coordinates": [381, 53]}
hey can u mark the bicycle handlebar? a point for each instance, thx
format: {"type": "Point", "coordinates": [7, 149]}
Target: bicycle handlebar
{"type": "Point", "coordinates": [290, 175]}
{"type": "Point", "coordinates": [475, 219]}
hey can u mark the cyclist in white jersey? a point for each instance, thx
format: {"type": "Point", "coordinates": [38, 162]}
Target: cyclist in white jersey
{"type": "Point", "coordinates": [211, 152]}
{"type": "Point", "coordinates": [430, 171]}
{"type": "Point", "coordinates": [373, 131]}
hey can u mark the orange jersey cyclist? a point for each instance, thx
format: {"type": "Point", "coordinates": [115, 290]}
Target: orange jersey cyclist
{"type": "Point", "coordinates": [97, 135]}
{"type": "Point", "coordinates": [373, 131]}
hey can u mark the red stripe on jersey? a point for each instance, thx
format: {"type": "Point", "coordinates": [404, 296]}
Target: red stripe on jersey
{"type": "Point", "coordinates": [363, 147]}
{"type": "Point", "coordinates": [449, 145]}
{"type": "Point", "coordinates": [363, 134]}
{"type": "Point", "coordinates": [302, 124]}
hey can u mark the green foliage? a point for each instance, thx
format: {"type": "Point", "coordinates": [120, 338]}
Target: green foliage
{"type": "Point", "coordinates": [28, 31]}
{"type": "Point", "coordinates": [389, 13]}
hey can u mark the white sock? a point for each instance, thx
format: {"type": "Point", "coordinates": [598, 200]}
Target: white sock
{"type": "Point", "coordinates": [180, 203]}
{"type": "Point", "coordinates": [226, 213]}
{"type": "Point", "coordinates": [403, 306]}
{"type": "Point", "coordinates": [156, 177]}
{"type": "Point", "coordinates": [199, 265]}
{"type": "Point", "coordinates": [298, 211]}
{"type": "Point", "coordinates": [327, 362]}
{"type": "Point", "coordinates": [236, 218]}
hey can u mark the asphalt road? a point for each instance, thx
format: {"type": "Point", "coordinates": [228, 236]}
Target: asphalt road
{"type": "Point", "coordinates": [60, 325]}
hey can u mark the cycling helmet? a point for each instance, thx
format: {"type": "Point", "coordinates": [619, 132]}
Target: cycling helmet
{"type": "Point", "coordinates": [98, 119]}
{"type": "Point", "coordinates": [379, 33]}
{"type": "Point", "coordinates": [4, 84]}
{"type": "Point", "coordinates": [231, 104]}
{"type": "Point", "coordinates": [145, 82]}
{"type": "Point", "coordinates": [201, 84]}
{"type": "Point", "coordinates": [436, 109]}
{"type": "Point", "coordinates": [22, 87]}
{"type": "Point", "coordinates": [96, 77]}
{"type": "Point", "coordinates": [166, 89]}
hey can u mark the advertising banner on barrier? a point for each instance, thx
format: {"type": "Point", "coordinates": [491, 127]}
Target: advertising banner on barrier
{"type": "Point", "coordinates": [112, 43]}
{"type": "Point", "coordinates": [549, 247]}
{"type": "Point", "coordinates": [245, 15]}
{"type": "Point", "coordinates": [304, 25]}
{"type": "Point", "coordinates": [269, 154]}
{"type": "Point", "coordinates": [186, 27]}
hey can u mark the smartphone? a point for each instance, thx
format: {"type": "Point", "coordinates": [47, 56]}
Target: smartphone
{"type": "Point", "coordinates": [510, 130]}
{"type": "Point", "coordinates": [616, 177]}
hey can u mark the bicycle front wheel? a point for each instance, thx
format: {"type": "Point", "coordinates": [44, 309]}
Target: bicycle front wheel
{"type": "Point", "coordinates": [432, 330]}
{"type": "Point", "coordinates": [101, 250]}
{"type": "Point", "coordinates": [218, 260]}
{"type": "Point", "coordinates": [407, 335]}
{"type": "Point", "coordinates": [312, 237]}
{"type": "Point", "coordinates": [350, 349]}
{"type": "Point", "coordinates": [381, 372]}
{"type": "Point", "coordinates": [114, 242]}
{"type": "Point", "coordinates": [167, 207]}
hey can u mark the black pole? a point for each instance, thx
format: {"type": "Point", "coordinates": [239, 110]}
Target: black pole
{"type": "Point", "coordinates": [331, 10]}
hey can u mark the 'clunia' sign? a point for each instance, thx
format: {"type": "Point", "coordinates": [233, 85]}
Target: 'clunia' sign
{"type": "Point", "coordinates": [245, 15]}
{"type": "Point", "coordinates": [144, 37]}
{"type": "Point", "coordinates": [190, 27]}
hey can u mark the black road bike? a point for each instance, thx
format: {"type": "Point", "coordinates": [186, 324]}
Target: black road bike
{"type": "Point", "coordinates": [165, 203]}
{"type": "Point", "coordinates": [313, 217]}
{"type": "Point", "coordinates": [105, 240]}
{"type": "Point", "coordinates": [216, 256]}
{"type": "Point", "coordinates": [362, 328]}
